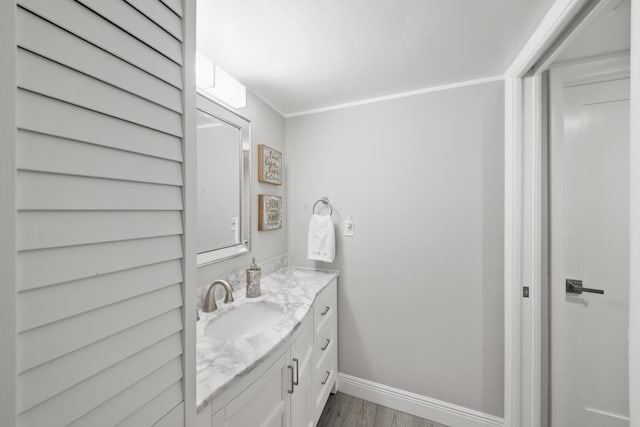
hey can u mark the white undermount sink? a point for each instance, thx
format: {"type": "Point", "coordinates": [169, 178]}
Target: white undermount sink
{"type": "Point", "coordinates": [243, 320]}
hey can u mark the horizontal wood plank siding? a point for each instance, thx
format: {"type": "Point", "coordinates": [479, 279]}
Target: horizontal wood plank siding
{"type": "Point", "coordinates": [161, 15]}
{"type": "Point", "coordinates": [49, 78]}
{"type": "Point", "coordinates": [52, 42]}
{"type": "Point", "coordinates": [54, 229]}
{"type": "Point", "coordinates": [67, 407]}
{"type": "Point", "coordinates": [84, 23]}
{"type": "Point", "coordinates": [175, 6]}
{"type": "Point", "coordinates": [46, 267]}
{"type": "Point", "coordinates": [175, 418]}
{"type": "Point", "coordinates": [159, 393]}
{"type": "Point", "coordinates": [45, 153]}
{"type": "Point", "coordinates": [73, 333]}
{"type": "Point", "coordinates": [38, 113]}
{"type": "Point", "coordinates": [75, 367]}
{"type": "Point", "coordinates": [52, 303]}
{"type": "Point", "coordinates": [133, 22]}
{"type": "Point", "coordinates": [45, 191]}
{"type": "Point", "coordinates": [99, 194]}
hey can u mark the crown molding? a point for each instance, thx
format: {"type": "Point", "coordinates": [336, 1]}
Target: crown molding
{"type": "Point", "coordinates": [397, 96]}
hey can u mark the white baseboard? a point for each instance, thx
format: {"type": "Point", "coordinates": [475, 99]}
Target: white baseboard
{"type": "Point", "coordinates": [415, 404]}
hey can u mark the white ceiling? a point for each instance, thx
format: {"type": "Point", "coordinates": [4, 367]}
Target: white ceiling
{"type": "Point", "coordinates": [609, 32]}
{"type": "Point", "coordinates": [300, 55]}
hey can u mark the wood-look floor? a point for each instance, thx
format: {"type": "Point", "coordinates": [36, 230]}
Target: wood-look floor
{"type": "Point", "coordinates": [343, 410]}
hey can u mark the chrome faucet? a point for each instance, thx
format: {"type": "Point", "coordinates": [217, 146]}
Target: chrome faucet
{"type": "Point", "coordinates": [209, 303]}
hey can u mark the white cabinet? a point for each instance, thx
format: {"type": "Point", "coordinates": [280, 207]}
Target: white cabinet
{"type": "Point", "coordinates": [325, 347]}
{"type": "Point", "coordinates": [281, 397]}
{"type": "Point", "coordinates": [301, 399]}
{"type": "Point", "coordinates": [292, 387]}
{"type": "Point", "coordinates": [264, 403]}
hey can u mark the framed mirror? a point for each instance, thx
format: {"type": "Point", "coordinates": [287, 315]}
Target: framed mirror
{"type": "Point", "coordinates": [223, 180]}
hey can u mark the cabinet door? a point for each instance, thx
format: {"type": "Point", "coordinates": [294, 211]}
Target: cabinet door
{"type": "Point", "coordinates": [301, 401]}
{"type": "Point", "coordinates": [264, 403]}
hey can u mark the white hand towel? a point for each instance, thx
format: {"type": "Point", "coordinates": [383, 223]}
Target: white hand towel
{"type": "Point", "coordinates": [321, 240]}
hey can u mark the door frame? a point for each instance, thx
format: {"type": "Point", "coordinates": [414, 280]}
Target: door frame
{"type": "Point", "coordinates": [525, 215]}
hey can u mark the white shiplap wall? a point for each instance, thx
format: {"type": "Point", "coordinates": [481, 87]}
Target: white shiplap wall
{"type": "Point", "coordinates": [99, 199]}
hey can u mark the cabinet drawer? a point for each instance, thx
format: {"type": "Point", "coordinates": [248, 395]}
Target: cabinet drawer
{"type": "Point", "coordinates": [326, 343]}
{"type": "Point", "coordinates": [324, 379]}
{"type": "Point", "coordinates": [326, 306]}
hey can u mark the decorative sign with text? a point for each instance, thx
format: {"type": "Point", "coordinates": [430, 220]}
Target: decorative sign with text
{"type": "Point", "coordinates": [269, 212]}
{"type": "Point", "coordinates": [269, 165]}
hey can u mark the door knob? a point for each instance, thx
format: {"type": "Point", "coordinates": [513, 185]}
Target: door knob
{"type": "Point", "coordinates": [574, 286]}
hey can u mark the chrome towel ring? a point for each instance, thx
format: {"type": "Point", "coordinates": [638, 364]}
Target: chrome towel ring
{"type": "Point", "coordinates": [324, 201]}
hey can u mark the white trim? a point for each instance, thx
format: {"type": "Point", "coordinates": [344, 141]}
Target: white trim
{"type": "Point", "coordinates": [578, 23]}
{"type": "Point", "coordinates": [556, 19]}
{"type": "Point", "coordinates": [556, 222]}
{"type": "Point", "coordinates": [269, 104]}
{"type": "Point", "coordinates": [634, 277]}
{"type": "Point", "coordinates": [531, 239]}
{"type": "Point", "coordinates": [430, 89]}
{"type": "Point", "coordinates": [416, 404]}
{"type": "Point", "coordinates": [189, 194]}
{"type": "Point", "coordinates": [512, 248]}
{"type": "Point", "coordinates": [595, 69]}
{"type": "Point", "coordinates": [607, 414]}
{"type": "Point", "coordinates": [520, 390]}
{"type": "Point", "coordinates": [7, 214]}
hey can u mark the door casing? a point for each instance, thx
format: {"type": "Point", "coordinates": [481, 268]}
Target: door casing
{"type": "Point", "coordinates": [524, 208]}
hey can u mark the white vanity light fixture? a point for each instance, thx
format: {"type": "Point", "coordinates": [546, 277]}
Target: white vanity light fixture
{"type": "Point", "coordinates": [228, 90]}
{"type": "Point", "coordinates": [204, 72]}
{"type": "Point", "coordinates": [217, 83]}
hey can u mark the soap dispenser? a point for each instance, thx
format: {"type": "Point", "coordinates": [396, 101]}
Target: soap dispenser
{"type": "Point", "coordinates": [253, 280]}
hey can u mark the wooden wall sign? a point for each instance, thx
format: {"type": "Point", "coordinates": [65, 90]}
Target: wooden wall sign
{"type": "Point", "coordinates": [269, 165]}
{"type": "Point", "coordinates": [269, 212]}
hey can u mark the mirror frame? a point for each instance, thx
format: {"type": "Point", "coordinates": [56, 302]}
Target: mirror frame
{"type": "Point", "coordinates": [209, 106]}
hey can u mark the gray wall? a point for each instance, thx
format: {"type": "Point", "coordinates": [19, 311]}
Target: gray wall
{"type": "Point", "coordinates": [420, 291]}
{"type": "Point", "coordinates": [267, 127]}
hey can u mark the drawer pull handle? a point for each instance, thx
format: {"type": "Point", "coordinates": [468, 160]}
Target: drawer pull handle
{"type": "Point", "coordinates": [326, 378]}
{"type": "Point", "coordinates": [325, 311]}
{"type": "Point", "coordinates": [326, 344]}
{"type": "Point", "coordinates": [290, 368]}
{"type": "Point", "coordinates": [297, 363]}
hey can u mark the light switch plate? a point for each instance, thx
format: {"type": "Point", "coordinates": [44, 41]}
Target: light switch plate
{"type": "Point", "coordinates": [349, 227]}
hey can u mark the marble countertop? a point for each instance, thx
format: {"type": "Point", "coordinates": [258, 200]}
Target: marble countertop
{"type": "Point", "coordinates": [218, 363]}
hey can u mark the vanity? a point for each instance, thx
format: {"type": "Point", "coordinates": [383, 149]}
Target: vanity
{"type": "Point", "coordinates": [272, 360]}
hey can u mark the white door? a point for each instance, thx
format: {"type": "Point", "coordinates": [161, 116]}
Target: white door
{"type": "Point", "coordinates": [589, 236]}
